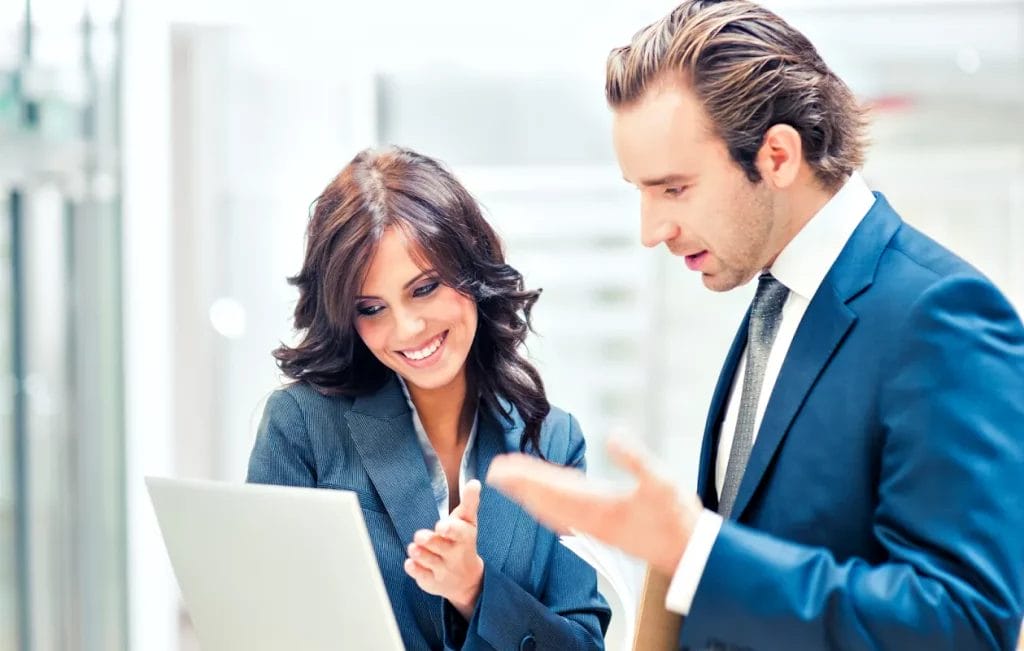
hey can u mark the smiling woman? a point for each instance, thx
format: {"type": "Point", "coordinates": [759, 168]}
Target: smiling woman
{"type": "Point", "coordinates": [388, 218]}
{"type": "Point", "coordinates": [407, 381]}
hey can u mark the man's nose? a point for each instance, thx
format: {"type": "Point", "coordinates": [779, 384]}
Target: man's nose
{"type": "Point", "coordinates": [654, 228]}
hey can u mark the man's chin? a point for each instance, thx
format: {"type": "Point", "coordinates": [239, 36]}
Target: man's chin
{"type": "Point", "coordinates": [720, 282]}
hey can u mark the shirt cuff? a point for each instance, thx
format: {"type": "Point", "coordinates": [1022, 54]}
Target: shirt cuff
{"type": "Point", "coordinates": [684, 583]}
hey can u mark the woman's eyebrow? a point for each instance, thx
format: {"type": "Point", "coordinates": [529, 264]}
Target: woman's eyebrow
{"type": "Point", "coordinates": [406, 285]}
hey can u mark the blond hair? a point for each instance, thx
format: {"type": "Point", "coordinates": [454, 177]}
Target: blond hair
{"type": "Point", "coordinates": [750, 70]}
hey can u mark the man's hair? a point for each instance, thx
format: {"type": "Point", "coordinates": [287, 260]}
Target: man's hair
{"type": "Point", "coordinates": [750, 70]}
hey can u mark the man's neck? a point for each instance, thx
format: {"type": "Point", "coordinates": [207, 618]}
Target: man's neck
{"type": "Point", "coordinates": [796, 206]}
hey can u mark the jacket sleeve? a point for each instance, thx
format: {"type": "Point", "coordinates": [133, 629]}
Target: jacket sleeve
{"type": "Point", "coordinates": [282, 453]}
{"type": "Point", "coordinates": [568, 614]}
{"type": "Point", "coordinates": [950, 508]}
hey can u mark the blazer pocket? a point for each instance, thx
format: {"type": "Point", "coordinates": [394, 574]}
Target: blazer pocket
{"type": "Point", "coordinates": [367, 501]}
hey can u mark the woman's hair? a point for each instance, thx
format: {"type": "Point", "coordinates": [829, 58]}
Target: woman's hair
{"type": "Point", "coordinates": [750, 70]}
{"type": "Point", "coordinates": [397, 187]}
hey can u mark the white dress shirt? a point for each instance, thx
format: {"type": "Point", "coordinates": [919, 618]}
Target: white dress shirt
{"type": "Point", "coordinates": [435, 471]}
{"type": "Point", "coordinates": [801, 267]}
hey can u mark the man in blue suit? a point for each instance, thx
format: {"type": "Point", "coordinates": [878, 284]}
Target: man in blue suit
{"type": "Point", "coordinates": [862, 474]}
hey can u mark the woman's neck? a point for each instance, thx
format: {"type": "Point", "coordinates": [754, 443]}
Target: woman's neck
{"type": "Point", "coordinates": [446, 412]}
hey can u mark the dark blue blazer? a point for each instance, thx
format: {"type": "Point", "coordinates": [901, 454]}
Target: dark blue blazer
{"type": "Point", "coordinates": [535, 594]}
{"type": "Point", "coordinates": [883, 503]}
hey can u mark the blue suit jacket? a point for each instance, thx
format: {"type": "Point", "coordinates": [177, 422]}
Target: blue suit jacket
{"type": "Point", "coordinates": [883, 503]}
{"type": "Point", "coordinates": [535, 593]}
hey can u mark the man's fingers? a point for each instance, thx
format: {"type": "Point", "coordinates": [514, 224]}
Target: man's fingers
{"type": "Point", "coordinates": [558, 497]}
{"type": "Point", "coordinates": [629, 458]}
{"type": "Point", "coordinates": [521, 474]}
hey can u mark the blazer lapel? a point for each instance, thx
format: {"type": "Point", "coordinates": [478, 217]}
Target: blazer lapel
{"type": "Point", "coordinates": [380, 425]}
{"type": "Point", "coordinates": [498, 518]}
{"type": "Point", "coordinates": [821, 332]}
{"type": "Point", "coordinates": [823, 328]}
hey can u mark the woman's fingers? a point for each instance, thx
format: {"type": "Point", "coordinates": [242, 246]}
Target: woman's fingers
{"type": "Point", "coordinates": [467, 508]}
{"type": "Point", "coordinates": [421, 574]}
{"type": "Point", "coordinates": [433, 541]}
{"type": "Point", "coordinates": [456, 531]}
{"type": "Point", "coordinates": [425, 557]}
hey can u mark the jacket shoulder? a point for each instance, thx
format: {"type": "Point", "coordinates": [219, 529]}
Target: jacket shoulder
{"type": "Point", "coordinates": [561, 437]}
{"type": "Point", "coordinates": [299, 400]}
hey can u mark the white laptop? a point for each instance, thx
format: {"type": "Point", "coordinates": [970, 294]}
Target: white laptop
{"type": "Point", "coordinates": [274, 567]}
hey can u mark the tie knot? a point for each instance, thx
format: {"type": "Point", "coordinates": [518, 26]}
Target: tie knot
{"type": "Point", "coordinates": [766, 309]}
{"type": "Point", "coordinates": [770, 295]}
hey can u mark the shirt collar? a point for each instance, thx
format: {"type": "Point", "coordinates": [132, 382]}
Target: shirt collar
{"type": "Point", "coordinates": [805, 261]}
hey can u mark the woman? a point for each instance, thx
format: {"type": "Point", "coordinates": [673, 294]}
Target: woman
{"type": "Point", "coordinates": [407, 381]}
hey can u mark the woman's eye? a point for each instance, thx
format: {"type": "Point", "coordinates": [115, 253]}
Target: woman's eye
{"type": "Point", "coordinates": [674, 191]}
{"type": "Point", "coordinates": [369, 310]}
{"type": "Point", "coordinates": [424, 290]}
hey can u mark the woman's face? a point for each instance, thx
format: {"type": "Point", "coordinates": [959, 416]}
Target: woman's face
{"type": "Point", "coordinates": [413, 324]}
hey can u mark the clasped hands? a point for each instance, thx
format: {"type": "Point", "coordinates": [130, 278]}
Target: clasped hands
{"type": "Point", "coordinates": [444, 561]}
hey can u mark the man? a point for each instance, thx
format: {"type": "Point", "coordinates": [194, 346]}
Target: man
{"type": "Point", "coordinates": [862, 472]}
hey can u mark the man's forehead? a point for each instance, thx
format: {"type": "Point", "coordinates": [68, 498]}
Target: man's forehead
{"type": "Point", "coordinates": [665, 112]}
{"type": "Point", "coordinates": [660, 139]}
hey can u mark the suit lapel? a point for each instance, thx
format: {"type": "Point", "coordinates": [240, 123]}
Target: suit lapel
{"type": "Point", "coordinates": [499, 519]}
{"type": "Point", "coordinates": [821, 332]}
{"type": "Point", "coordinates": [380, 425]}
{"type": "Point", "coordinates": [381, 428]}
{"type": "Point", "coordinates": [823, 328]}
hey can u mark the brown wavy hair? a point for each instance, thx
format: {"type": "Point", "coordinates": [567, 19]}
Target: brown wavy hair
{"type": "Point", "coordinates": [397, 187]}
{"type": "Point", "coordinates": [750, 70]}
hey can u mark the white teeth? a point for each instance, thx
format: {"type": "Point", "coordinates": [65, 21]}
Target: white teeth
{"type": "Point", "coordinates": [426, 352]}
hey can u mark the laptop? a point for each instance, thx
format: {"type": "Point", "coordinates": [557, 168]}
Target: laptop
{"type": "Point", "coordinates": [274, 567]}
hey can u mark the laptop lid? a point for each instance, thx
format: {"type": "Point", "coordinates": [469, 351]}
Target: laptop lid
{"type": "Point", "coordinates": [274, 567]}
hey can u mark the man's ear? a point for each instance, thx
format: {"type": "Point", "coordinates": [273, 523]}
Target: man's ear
{"type": "Point", "coordinates": [780, 156]}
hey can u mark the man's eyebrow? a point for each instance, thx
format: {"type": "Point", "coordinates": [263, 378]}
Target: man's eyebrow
{"type": "Point", "coordinates": [663, 180]}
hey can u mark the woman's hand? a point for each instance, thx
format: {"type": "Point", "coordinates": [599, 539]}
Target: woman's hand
{"type": "Point", "coordinates": [444, 561]}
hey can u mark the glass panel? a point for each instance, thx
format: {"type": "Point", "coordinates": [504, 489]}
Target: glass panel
{"type": "Point", "coordinates": [9, 580]}
{"type": "Point", "coordinates": [62, 532]}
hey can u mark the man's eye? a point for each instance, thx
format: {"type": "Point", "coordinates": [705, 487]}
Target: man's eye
{"type": "Point", "coordinates": [424, 290]}
{"type": "Point", "coordinates": [674, 191]}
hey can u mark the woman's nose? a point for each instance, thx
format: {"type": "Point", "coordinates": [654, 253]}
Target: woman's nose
{"type": "Point", "coordinates": [409, 325]}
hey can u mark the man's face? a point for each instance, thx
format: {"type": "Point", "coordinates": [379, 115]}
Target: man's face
{"type": "Point", "coordinates": [694, 198]}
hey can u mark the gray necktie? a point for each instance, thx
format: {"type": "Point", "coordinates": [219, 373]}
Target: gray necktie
{"type": "Point", "coordinates": [765, 314]}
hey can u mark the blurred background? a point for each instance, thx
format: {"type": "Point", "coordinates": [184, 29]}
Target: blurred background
{"type": "Point", "coordinates": [157, 163]}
